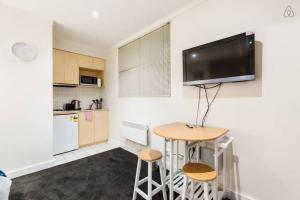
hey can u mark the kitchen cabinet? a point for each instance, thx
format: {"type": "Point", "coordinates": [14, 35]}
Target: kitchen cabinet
{"type": "Point", "coordinates": [101, 126]}
{"type": "Point", "coordinates": [92, 63]}
{"type": "Point", "coordinates": [65, 67]}
{"type": "Point", "coordinates": [85, 61]}
{"type": "Point", "coordinates": [86, 130]}
{"type": "Point", "coordinates": [98, 64]}
{"type": "Point", "coordinates": [95, 131]}
{"type": "Point", "coordinates": [71, 68]}
{"type": "Point", "coordinates": [58, 66]}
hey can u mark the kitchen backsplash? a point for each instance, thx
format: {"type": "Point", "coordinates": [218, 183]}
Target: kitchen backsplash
{"type": "Point", "coordinates": [62, 95]}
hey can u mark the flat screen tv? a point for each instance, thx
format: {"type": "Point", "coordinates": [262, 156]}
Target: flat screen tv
{"type": "Point", "coordinates": [228, 60]}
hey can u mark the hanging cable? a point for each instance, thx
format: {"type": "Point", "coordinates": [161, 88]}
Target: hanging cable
{"type": "Point", "coordinates": [208, 106]}
{"type": "Point", "coordinates": [199, 86]}
{"type": "Point", "coordinates": [209, 103]}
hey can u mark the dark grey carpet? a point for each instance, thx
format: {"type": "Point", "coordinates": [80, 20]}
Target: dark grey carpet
{"type": "Point", "coordinates": [105, 176]}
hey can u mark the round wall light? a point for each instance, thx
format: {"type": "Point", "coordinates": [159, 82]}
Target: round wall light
{"type": "Point", "coordinates": [23, 51]}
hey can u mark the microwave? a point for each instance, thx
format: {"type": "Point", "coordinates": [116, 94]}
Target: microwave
{"type": "Point", "coordinates": [90, 81]}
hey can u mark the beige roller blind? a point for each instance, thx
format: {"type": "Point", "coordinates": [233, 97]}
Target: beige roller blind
{"type": "Point", "coordinates": [144, 66]}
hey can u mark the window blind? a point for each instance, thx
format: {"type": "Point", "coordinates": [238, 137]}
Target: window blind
{"type": "Point", "coordinates": [144, 66]}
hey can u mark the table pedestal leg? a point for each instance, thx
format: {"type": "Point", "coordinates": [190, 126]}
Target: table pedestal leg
{"type": "Point", "coordinates": [177, 153]}
{"type": "Point", "coordinates": [198, 152]}
{"type": "Point", "coordinates": [216, 165]}
{"type": "Point", "coordinates": [165, 157]}
{"type": "Point", "coordinates": [171, 170]}
{"type": "Point", "coordinates": [186, 154]}
{"type": "Point", "coordinates": [224, 171]}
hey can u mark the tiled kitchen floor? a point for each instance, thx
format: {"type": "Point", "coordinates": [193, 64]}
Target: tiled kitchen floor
{"type": "Point", "coordinates": [83, 152]}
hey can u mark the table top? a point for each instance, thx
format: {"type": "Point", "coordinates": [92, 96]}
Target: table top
{"type": "Point", "coordinates": [179, 131]}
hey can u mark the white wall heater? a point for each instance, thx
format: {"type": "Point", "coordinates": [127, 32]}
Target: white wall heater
{"type": "Point", "coordinates": [135, 132]}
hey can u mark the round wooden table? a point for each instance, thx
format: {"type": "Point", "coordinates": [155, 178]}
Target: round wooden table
{"type": "Point", "coordinates": [180, 132]}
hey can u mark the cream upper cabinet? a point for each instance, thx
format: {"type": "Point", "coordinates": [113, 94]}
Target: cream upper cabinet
{"type": "Point", "coordinates": [98, 64]}
{"type": "Point", "coordinates": [89, 62]}
{"type": "Point", "coordinates": [86, 130]}
{"type": "Point", "coordinates": [71, 68]}
{"type": "Point", "coordinates": [101, 126]}
{"type": "Point", "coordinates": [85, 61]}
{"type": "Point", "coordinates": [65, 67]}
{"type": "Point", "coordinates": [58, 66]}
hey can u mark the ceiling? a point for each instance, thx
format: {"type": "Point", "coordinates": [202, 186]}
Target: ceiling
{"type": "Point", "coordinates": [117, 19]}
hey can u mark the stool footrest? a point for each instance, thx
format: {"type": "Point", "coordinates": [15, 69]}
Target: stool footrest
{"type": "Point", "coordinates": [156, 190]}
{"type": "Point", "coordinates": [140, 192]}
{"type": "Point", "coordinates": [144, 180]}
{"type": "Point", "coordinates": [155, 184]}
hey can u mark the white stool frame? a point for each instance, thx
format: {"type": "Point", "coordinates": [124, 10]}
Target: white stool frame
{"type": "Point", "coordinates": [159, 187]}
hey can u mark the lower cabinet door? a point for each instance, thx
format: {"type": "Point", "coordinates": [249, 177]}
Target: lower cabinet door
{"type": "Point", "coordinates": [101, 125]}
{"type": "Point", "coordinates": [86, 128]}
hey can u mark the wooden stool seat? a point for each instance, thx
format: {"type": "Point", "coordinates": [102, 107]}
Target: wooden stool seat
{"type": "Point", "coordinates": [149, 155]}
{"type": "Point", "coordinates": [199, 172]}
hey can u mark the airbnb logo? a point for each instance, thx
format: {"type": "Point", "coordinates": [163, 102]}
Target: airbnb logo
{"type": "Point", "coordinates": [289, 12]}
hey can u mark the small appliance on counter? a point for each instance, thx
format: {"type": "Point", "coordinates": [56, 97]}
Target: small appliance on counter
{"type": "Point", "coordinates": [68, 106]}
{"type": "Point", "coordinates": [74, 105]}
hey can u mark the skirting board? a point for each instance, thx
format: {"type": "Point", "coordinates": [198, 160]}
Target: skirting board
{"type": "Point", "coordinates": [237, 196]}
{"type": "Point", "coordinates": [122, 145]}
{"type": "Point", "coordinates": [125, 147]}
{"type": "Point", "coordinates": [39, 166]}
{"type": "Point", "coordinates": [30, 169]}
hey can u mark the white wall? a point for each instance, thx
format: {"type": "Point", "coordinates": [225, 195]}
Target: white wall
{"type": "Point", "coordinates": [264, 123]}
{"type": "Point", "coordinates": [69, 44]}
{"type": "Point", "coordinates": [26, 93]}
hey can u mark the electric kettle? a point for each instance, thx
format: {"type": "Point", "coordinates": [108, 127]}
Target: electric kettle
{"type": "Point", "coordinates": [76, 104]}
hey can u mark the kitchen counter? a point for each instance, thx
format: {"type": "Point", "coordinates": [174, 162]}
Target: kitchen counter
{"type": "Point", "coordinates": [67, 112]}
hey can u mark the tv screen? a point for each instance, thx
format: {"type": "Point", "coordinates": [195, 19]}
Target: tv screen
{"type": "Point", "coordinates": [227, 60]}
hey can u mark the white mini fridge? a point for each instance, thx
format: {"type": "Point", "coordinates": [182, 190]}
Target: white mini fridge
{"type": "Point", "coordinates": [65, 133]}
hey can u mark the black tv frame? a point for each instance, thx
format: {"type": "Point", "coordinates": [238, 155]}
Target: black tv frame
{"type": "Point", "coordinates": [250, 77]}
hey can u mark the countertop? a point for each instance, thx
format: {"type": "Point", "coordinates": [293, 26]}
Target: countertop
{"type": "Point", "coordinates": [67, 112]}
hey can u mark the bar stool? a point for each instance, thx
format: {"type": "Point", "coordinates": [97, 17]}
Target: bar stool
{"type": "Point", "coordinates": [149, 156]}
{"type": "Point", "coordinates": [201, 173]}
